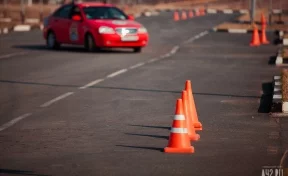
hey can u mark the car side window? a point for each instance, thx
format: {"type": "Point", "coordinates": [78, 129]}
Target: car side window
{"type": "Point", "coordinates": [63, 12]}
{"type": "Point", "coordinates": [75, 11]}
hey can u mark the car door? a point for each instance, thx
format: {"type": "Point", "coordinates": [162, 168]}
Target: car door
{"type": "Point", "coordinates": [76, 28]}
{"type": "Point", "coordinates": [60, 23]}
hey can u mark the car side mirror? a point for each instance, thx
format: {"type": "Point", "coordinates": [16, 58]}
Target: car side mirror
{"type": "Point", "coordinates": [76, 18]}
{"type": "Point", "coordinates": [131, 17]}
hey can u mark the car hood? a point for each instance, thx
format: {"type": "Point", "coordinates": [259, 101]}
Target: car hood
{"type": "Point", "coordinates": [117, 23]}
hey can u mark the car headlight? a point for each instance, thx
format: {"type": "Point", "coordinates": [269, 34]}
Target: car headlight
{"type": "Point", "coordinates": [142, 30]}
{"type": "Point", "coordinates": [106, 30]}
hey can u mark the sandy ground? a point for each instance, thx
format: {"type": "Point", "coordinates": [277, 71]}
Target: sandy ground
{"type": "Point", "coordinates": [275, 17]}
{"type": "Point", "coordinates": [285, 52]}
{"type": "Point", "coordinates": [285, 84]}
{"type": "Point", "coordinates": [227, 25]}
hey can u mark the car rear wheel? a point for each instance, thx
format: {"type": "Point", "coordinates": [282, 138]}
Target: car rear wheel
{"type": "Point", "coordinates": [51, 41]}
{"type": "Point", "coordinates": [137, 49]}
{"type": "Point", "coordinates": [90, 43]}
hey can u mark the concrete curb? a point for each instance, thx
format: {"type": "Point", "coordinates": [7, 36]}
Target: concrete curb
{"type": "Point", "coordinates": [285, 41]}
{"type": "Point", "coordinates": [20, 28]}
{"type": "Point", "coordinates": [279, 58]}
{"type": "Point", "coordinates": [277, 94]}
{"type": "Point", "coordinates": [280, 61]}
{"type": "Point", "coordinates": [227, 11]}
{"type": "Point", "coordinates": [241, 11]}
{"type": "Point", "coordinates": [239, 31]}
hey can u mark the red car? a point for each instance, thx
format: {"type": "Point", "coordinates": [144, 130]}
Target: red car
{"type": "Point", "coordinates": [95, 26]}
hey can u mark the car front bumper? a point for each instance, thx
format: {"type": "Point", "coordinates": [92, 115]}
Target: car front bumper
{"type": "Point", "coordinates": [114, 40]}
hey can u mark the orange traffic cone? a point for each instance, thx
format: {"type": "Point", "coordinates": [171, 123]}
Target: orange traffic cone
{"type": "Point", "coordinates": [263, 36]}
{"type": "Point", "coordinates": [184, 15]}
{"type": "Point", "coordinates": [255, 38]}
{"type": "Point", "coordinates": [179, 140]}
{"type": "Point", "coordinates": [190, 125]}
{"type": "Point", "coordinates": [192, 107]}
{"type": "Point", "coordinates": [191, 14]}
{"type": "Point", "coordinates": [202, 12]}
{"type": "Point", "coordinates": [263, 19]}
{"type": "Point", "coordinates": [197, 12]}
{"type": "Point", "coordinates": [176, 16]}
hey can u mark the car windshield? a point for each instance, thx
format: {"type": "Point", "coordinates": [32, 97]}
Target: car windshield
{"type": "Point", "coordinates": [104, 13]}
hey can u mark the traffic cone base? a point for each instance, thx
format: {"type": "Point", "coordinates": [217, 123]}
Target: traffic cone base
{"type": "Point", "coordinates": [197, 125]}
{"type": "Point", "coordinates": [263, 36]}
{"type": "Point", "coordinates": [195, 137]}
{"type": "Point", "coordinates": [179, 150]}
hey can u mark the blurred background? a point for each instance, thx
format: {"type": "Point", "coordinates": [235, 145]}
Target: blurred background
{"type": "Point", "coordinates": [33, 11]}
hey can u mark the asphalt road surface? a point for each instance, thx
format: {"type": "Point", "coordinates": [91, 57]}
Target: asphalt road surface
{"type": "Point", "coordinates": [109, 113]}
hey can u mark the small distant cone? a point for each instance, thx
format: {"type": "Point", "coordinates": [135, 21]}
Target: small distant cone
{"type": "Point", "coordinates": [191, 14]}
{"type": "Point", "coordinates": [184, 15]}
{"type": "Point", "coordinates": [190, 125]}
{"type": "Point", "coordinates": [255, 38]}
{"type": "Point", "coordinates": [263, 36]}
{"type": "Point", "coordinates": [202, 12]}
{"type": "Point", "coordinates": [176, 16]}
{"type": "Point", "coordinates": [197, 12]}
{"type": "Point", "coordinates": [179, 140]}
{"type": "Point", "coordinates": [192, 107]}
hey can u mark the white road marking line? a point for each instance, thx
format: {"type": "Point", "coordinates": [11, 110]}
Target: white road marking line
{"type": "Point", "coordinates": [153, 60]}
{"type": "Point", "coordinates": [117, 73]}
{"type": "Point", "coordinates": [12, 122]}
{"type": "Point", "coordinates": [174, 49]}
{"type": "Point", "coordinates": [196, 37]}
{"type": "Point", "coordinates": [91, 84]}
{"type": "Point", "coordinates": [48, 103]}
{"type": "Point", "coordinates": [240, 31]}
{"type": "Point", "coordinates": [137, 65]}
{"type": "Point", "coordinates": [12, 54]}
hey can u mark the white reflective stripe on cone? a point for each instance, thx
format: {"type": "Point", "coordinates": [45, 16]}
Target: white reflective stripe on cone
{"type": "Point", "coordinates": [179, 130]}
{"type": "Point", "coordinates": [179, 117]}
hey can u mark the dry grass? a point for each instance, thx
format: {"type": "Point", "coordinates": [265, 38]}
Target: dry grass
{"type": "Point", "coordinates": [285, 84]}
{"type": "Point", "coordinates": [137, 9]}
{"type": "Point", "coordinates": [13, 12]}
{"type": "Point", "coordinates": [275, 17]}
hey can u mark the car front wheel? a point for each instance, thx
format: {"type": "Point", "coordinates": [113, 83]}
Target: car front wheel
{"type": "Point", "coordinates": [90, 43]}
{"type": "Point", "coordinates": [137, 49]}
{"type": "Point", "coordinates": [51, 41]}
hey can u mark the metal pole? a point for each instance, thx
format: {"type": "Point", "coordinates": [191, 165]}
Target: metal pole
{"type": "Point", "coordinates": [252, 11]}
{"type": "Point", "coordinates": [22, 13]}
{"type": "Point", "coordinates": [270, 12]}
{"type": "Point", "coordinates": [41, 10]}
